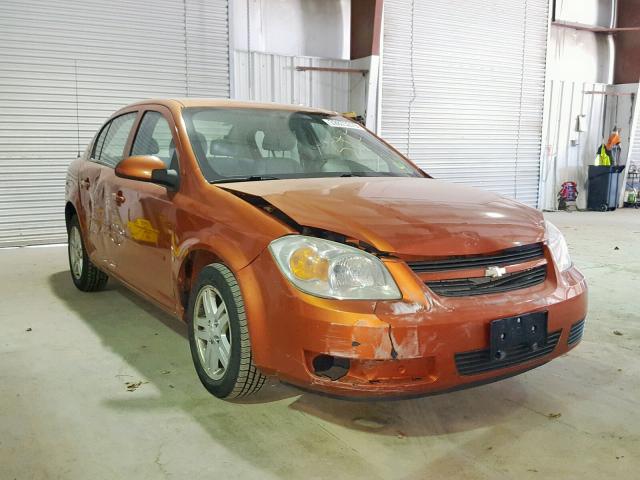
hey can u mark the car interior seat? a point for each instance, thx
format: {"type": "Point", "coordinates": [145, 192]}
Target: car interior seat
{"type": "Point", "coordinates": [231, 158]}
{"type": "Point", "coordinates": [279, 142]}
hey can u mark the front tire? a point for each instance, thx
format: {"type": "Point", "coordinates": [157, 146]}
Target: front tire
{"type": "Point", "coordinates": [219, 337]}
{"type": "Point", "coordinates": [85, 275]}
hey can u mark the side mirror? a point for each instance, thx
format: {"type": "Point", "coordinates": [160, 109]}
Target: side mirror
{"type": "Point", "coordinates": [147, 168]}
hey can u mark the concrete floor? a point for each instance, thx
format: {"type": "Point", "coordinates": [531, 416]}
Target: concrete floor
{"type": "Point", "coordinates": [65, 412]}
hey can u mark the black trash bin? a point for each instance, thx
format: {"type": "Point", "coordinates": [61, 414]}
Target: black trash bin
{"type": "Point", "coordinates": [604, 187]}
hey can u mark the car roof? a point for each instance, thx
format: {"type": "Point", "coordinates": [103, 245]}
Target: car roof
{"type": "Point", "coordinates": [226, 103]}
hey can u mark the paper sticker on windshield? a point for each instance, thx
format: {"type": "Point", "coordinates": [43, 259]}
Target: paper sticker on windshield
{"type": "Point", "coordinates": [337, 123]}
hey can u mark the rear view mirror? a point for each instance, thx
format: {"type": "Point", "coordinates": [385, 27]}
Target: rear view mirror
{"type": "Point", "coordinates": [147, 168]}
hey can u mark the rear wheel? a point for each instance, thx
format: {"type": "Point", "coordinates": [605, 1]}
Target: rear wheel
{"type": "Point", "coordinates": [219, 337]}
{"type": "Point", "coordinates": [85, 275]}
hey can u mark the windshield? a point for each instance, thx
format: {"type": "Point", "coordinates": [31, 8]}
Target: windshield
{"type": "Point", "coordinates": [257, 144]}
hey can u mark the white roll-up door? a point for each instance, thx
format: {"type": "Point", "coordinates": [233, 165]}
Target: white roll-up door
{"type": "Point", "coordinates": [66, 65]}
{"type": "Point", "coordinates": [634, 140]}
{"type": "Point", "coordinates": [463, 89]}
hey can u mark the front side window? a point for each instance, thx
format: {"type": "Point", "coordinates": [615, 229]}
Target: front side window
{"type": "Point", "coordinates": [154, 138]}
{"type": "Point", "coordinates": [112, 147]}
{"type": "Point", "coordinates": [232, 144]}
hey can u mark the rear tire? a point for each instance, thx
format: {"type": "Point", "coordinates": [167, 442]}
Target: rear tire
{"type": "Point", "coordinates": [85, 275]}
{"type": "Point", "coordinates": [219, 336]}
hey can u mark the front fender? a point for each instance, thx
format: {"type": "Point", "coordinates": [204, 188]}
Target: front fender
{"type": "Point", "coordinates": [223, 228]}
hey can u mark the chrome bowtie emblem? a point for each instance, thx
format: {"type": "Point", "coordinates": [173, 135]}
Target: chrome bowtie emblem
{"type": "Point", "coordinates": [495, 272]}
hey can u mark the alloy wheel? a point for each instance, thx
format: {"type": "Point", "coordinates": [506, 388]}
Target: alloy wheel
{"type": "Point", "coordinates": [76, 255]}
{"type": "Point", "coordinates": [212, 332]}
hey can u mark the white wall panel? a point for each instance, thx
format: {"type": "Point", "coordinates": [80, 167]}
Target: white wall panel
{"type": "Point", "coordinates": [315, 28]}
{"type": "Point", "coordinates": [567, 151]}
{"type": "Point", "coordinates": [266, 77]}
{"type": "Point", "coordinates": [65, 66]}
{"type": "Point", "coordinates": [463, 89]}
{"type": "Point", "coordinates": [627, 109]}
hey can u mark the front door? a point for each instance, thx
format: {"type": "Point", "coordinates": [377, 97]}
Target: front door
{"type": "Point", "coordinates": [146, 211]}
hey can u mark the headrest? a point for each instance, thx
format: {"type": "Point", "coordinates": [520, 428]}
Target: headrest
{"type": "Point", "coordinates": [224, 148]}
{"type": "Point", "coordinates": [278, 139]}
{"type": "Point", "coordinates": [201, 139]}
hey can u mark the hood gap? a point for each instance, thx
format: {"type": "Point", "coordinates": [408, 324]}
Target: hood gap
{"type": "Point", "coordinates": [275, 212]}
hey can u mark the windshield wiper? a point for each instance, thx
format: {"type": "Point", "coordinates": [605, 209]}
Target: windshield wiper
{"type": "Point", "coordinates": [370, 174]}
{"type": "Point", "coordinates": [250, 178]}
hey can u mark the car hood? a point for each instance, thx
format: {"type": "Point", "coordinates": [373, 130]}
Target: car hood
{"type": "Point", "coordinates": [404, 216]}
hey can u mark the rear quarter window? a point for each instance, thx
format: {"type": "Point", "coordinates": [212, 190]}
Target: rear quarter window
{"type": "Point", "coordinates": [97, 146]}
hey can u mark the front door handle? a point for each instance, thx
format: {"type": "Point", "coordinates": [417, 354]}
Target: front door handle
{"type": "Point", "coordinates": [85, 183]}
{"type": "Point", "coordinates": [119, 198]}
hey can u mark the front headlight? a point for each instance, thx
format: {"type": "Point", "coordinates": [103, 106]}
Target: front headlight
{"type": "Point", "coordinates": [558, 246]}
{"type": "Point", "coordinates": [333, 270]}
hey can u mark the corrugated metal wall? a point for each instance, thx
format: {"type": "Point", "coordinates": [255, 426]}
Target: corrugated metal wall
{"type": "Point", "coordinates": [267, 77]}
{"type": "Point", "coordinates": [65, 66]}
{"type": "Point", "coordinates": [463, 89]}
{"type": "Point", "coordinates": [567, 151]}
{"type": "Point", "coordinates": [634, 148]}
{"type": "Point", "coordinates": [633, 158]}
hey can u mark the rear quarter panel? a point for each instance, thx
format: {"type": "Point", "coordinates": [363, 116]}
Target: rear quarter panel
{"type": "Point", "coordinates": [72, 187]}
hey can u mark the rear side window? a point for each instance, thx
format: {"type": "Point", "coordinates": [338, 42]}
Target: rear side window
{"type": "Point", "coordinates": [97, 147]}
{"type": "Point", "coordinates": [111, 148]}
{"type": "Point", "coordinates": [154, 138]}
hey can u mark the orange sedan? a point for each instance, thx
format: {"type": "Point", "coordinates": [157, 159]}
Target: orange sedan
{"type": "Point", "coordinates": [296, 243]}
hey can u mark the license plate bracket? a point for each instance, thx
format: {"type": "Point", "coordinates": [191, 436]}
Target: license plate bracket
{"type": "Point", "coordinates": [528, 330]}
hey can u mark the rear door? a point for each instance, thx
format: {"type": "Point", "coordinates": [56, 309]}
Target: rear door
{"type": "Point", "coordinates": [101, 225]}
{"type": "Point", "coordinates": [91, 213]}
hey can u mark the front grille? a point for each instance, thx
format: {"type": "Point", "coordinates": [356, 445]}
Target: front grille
{"type": "Point", "coordinates": [479, 361]}
{"type": "Point", "coordinates": [462, 287]}
{"type": "Point", "coordinates": [510, 256]}
{"type": "Point", "coordinates": [575, 334]}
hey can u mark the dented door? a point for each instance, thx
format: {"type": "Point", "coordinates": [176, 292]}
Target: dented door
{"type": "Point", "coordinates": [141, 250]}
{"type": "Point", "coordinates": [141, 246]}
{"type": "Point", "coordinates": [92, 177]}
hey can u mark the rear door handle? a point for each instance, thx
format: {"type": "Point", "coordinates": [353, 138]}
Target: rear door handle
{"type": "Point", "coordinates": [119, 198]}
{"type": "Point", "coordinates": [85, 183]}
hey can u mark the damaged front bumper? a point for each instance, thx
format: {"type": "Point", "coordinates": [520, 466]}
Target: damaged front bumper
{"type": "Point", "coordinates": [413, 346]}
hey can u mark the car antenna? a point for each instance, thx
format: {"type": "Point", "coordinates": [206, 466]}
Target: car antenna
{"type": "Point", "coordinates": [75, 66]}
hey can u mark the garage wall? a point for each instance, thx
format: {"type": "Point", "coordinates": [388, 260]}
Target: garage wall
{"type": "Point", "coordinates": [313, 28]}
{"type": "Point", "coordinates": [65, 66]}
{"type": "Point", "coordinates": [463, 89]}
{"type": "Point", "coordinates": [570, 147]}
{"type": "Point", "coordinates": [627, 67]}
{"type": "Point", "coordinates": [580, 55]}
{"type": "Point", "coordinates": [568, 151]}
{"type": "Point", "coordinates": [623, 112]}
{"type": "Point", "coordinates": [267, 77]}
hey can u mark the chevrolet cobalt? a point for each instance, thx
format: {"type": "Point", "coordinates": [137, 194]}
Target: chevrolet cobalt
{"type": "Point", "coordinates": [297, 244]}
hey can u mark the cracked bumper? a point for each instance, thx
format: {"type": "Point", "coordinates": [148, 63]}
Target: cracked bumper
{"type": "Point", "coordinates": [399, 348]}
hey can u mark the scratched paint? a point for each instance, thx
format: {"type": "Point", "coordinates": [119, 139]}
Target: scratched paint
{"type": "Point", "coordinates": [141, 230]}
{"type": "Point", "coordinates": [394, 347]}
